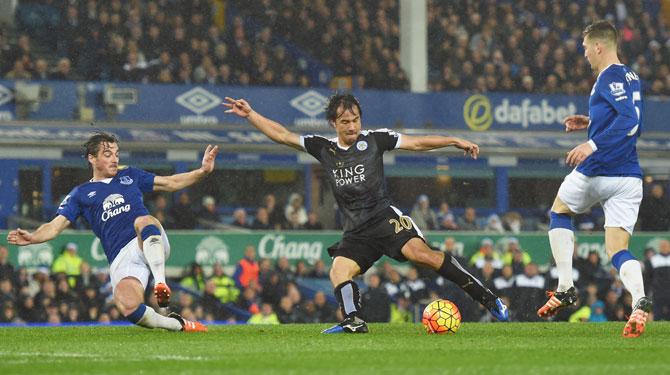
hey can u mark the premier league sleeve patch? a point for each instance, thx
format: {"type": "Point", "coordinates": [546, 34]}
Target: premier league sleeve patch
{"type": "Point", "coordinates": [616, 88]}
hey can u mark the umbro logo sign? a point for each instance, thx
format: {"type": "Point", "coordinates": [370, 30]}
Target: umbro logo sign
{"type": "Point", "coordinates": [125, 180]}
{"type": "Point", "coordinates": [91, 194]}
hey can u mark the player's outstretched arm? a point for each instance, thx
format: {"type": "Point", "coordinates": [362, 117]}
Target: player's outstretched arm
{"type": "Point", "coordinates": [183, 180]}
{"type": "Point", "coordinates": [45, 232]}
{"type": "Point", "coordinates": [576, 122]}
{"type": "Point", "coordinates": [431, 142]}
{"type": "Point", "coordinates": [270, 128]}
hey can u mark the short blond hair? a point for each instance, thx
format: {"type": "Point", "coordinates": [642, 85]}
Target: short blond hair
{"type": "Point", "coordinates": [603, 31]}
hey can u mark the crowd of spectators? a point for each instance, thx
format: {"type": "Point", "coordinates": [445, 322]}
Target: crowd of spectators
{"type": "Point", "coordinates": [185, 214]}
{"type": "Point", "coordinates": [267, 292]}
{"type": "Point", "coordinates": [535, 46]}
{"type": "Point", "coordinates": [476, 45]}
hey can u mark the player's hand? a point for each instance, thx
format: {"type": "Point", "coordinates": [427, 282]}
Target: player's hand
{"type": "Point", "coordinates": [19, 237]}
{"type": "Point", "coordinates": [576, 122]}
{"type": "Point", "coordinates": [578, 154]}
{"type": "Point", "coordinates": [468, 148]}
{"type": "Point", "coordinates": [209, 158]}
{"type": "Point", "coordinates": [239, 107]}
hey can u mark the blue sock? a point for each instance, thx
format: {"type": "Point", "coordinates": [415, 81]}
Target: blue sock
{"type": "Point", "coordinates": [560, 221]}
{"type": "Point", "coordinates": [136, 315]}
{"type": "Point", "coordinates": [621, 257]}
{"type": "Point", "coordinates": [150, 230]}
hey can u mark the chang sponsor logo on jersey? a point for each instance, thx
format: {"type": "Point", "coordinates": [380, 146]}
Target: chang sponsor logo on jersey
{"type": "Point", "coordinates": [114, 205]}
{"type": "Point", "coordinates": [349, 175]}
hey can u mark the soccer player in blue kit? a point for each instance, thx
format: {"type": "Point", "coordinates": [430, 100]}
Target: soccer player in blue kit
{"type": "Point", "coordinates": [607, 171]}
{"type": "Point", "coordinates": [134, 241]}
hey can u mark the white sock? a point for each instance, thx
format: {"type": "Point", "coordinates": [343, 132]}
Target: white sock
{"type": "Point", "coordinates": [155, 254]}
{"type": "Point", "coordinates": [562, 242]}
{"type": "Point", "coordinates": [152, 319]}
{"type": "Point", "coordinates": [631, 276]}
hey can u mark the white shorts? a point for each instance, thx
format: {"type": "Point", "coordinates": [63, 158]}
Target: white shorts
{"type": "Point", "coordinates": [130, 262]}
{"type": "Point", "coordinates": [619, 196]}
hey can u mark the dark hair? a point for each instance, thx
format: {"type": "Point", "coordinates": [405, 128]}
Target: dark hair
{"type": "Point", "coordinates": [603, 30]}
{"type": "Point", "coordinates": [92, 145]}
{"type": "Point", "coordinates": [347, 101]}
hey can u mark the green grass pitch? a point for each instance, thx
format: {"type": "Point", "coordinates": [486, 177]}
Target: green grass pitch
{"type": "Point", "coordinates": [512, 348]}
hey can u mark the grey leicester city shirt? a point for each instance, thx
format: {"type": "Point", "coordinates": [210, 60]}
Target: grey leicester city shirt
{"type": "Point", "coordinates": [356, 174]}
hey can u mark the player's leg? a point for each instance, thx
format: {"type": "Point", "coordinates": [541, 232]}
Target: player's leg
{"type": "Point", "coordinates": [572, 197]}
{"type": "Point", "coordinates": [348, 296]}
{"type": "Point", "coordinates": [417, 252]}
{"type": "Point", "coordinates": [621, 211]}
{"type": "Point", "coordinates": [153, 242]}
{"type": "Point", "coordinates": [129, 299]}
{"type": "Point", "coordinates": [129, 275]}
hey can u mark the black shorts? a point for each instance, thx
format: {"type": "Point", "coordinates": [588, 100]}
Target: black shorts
{"type": "Point", "coordinates": [385, 234]}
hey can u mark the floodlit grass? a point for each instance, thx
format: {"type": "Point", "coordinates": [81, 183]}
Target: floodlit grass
{"type": "Point", "coordinates": [514, 348]}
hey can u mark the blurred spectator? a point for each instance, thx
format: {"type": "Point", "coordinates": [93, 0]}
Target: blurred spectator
{"type": "Point", "coordinates": [63, 71]}
{"type": "Point", "coordinates": [598, 312]}
{"type": "Point", "coordinates": [294, 212]}
{"type": "Point", "coordinates": [183, 214]}
{"type": "Point", "coordinates": [195, 279]}
{"type": "Point", "coordinates": [273, 288]}
{"type": "Point", "coordinates": [240, 218]}
{"type": "Point", "coordinates": [248, 301]}
{"type": "Point", "coordinates": [414, 288]}
{"type": "Point", "coordinates": [209, 211]}
{"type": "Point", "coordinates": [68, 263]}
{"type": "Point", "coordinates": [591, 271]}
{"type": "Point", "coordinates": [265, 316]}
{"type": "Point", "coordinates": [286, 312]}
{"type": "Point", "coordinates": [276, 217]}
{"type": "Point", "coordinates": [424, 217]}
{"type": "Point", "coordinates": [504, 283]}
{"type": "Point", "coordinates": [18, 71]}
{"type": "Point", "coordinates": [313, 222]}
{"type": "Point", "coordinates": [324, 310]}
{"type": "Point", "coordinates": [586, 221]}
{"type": "Point", "coordinates": [41, 71]}
{"type": "Point", "coordinates": [486, 253]}
{"type": "Point", "coordinates": [493, 224]}
{"type": "Point", "coordinates": [247, 269]}
{"type": "Point", "coordinates": [450, 246]}
{"type": "Point", "coordinates": [469, 220]}
{"type": "Point", "coordinates": [655, 210]}
{"type": "Point", "coordinates": [530, 293]}
{"type": "Point", "coordinates": [400, 311]}
{"type": "Point", "coordinates": [319, 271]}
{"type": "Point", "coordinates": [657, 271]}
{"type": "Point", "coordinates": [515, 256]}
{"type": "Point", "coordinates": [225, 289]}
{"type": "Point", "coordinates": [512, 222]}
{"type": "Point", "coordinates": [376, 302]}
{"type": "Point", "coordinates": [445, 218]}
{"type": "Point", "coordinates": [6, 268]}
{"type": "Point", "coordinates": [262, 220]}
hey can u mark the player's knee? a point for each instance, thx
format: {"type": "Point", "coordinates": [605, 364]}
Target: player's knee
{"type": "Point", "coordinates": [126, 305]}
{"type": "Point", "coordinates": [560, 220]}
{"type": "Point", "coordinates": [143, 221]}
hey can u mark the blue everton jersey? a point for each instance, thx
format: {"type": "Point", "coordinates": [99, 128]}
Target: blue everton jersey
{"type": "Point", "coordinates": [615, 107]}
{"type": "Point", "coordinates": [110, 206]}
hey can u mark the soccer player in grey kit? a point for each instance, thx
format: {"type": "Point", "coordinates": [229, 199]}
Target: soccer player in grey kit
{"type": "Point", "coordinates": [372, 225]}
